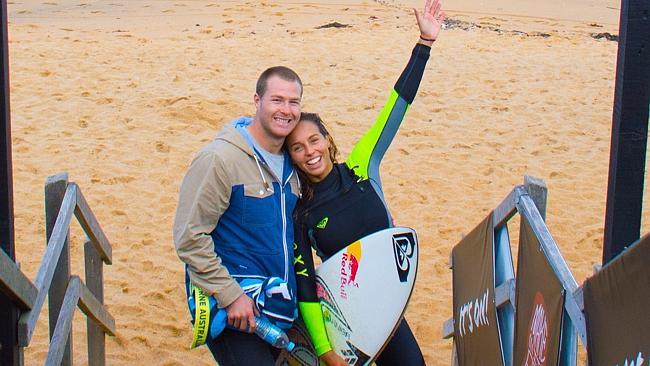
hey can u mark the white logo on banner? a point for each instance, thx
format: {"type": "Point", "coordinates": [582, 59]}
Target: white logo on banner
{"type": "Point", "coordinates": [639, 361]}
{"type": "Point", "coordinates": [537, 336]}
{"type": "Point", "coordinates": [475, 312]}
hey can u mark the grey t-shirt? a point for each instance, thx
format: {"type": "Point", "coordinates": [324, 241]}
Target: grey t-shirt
{"type": "Point", "coordinates": [276, 162]}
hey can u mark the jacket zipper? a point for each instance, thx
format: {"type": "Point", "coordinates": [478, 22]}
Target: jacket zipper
{"type": "Point", "coordinates": [284, 235]}
{"type": "Point", "coordinates": [282, 211]}
{"type": "Point", "coordinates": [284, 228]}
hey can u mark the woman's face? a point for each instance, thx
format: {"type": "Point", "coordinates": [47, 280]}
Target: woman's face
{"type": "Point", "coordinates": [310, 150]}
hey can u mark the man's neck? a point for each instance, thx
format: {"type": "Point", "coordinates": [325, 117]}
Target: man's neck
{"type": "Point", "coordinates": [269, 143]}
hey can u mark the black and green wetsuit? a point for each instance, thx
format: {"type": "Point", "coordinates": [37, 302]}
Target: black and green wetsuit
{"type": "Point", "coordinates": [349, 204]}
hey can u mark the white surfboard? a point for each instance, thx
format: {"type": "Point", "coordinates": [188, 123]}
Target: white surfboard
{"type": "Point", "coordinates": [364, 290]}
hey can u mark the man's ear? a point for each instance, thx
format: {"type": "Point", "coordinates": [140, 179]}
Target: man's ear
{"type": "Point", "coordinates": [256, 100]}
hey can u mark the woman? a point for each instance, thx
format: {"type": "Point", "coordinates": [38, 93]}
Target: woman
{"type": "Point", "coordinates": [343, 202]}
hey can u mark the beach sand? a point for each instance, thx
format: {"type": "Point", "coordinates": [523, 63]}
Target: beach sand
{"type": "Point", "coordinates": [121, 94]}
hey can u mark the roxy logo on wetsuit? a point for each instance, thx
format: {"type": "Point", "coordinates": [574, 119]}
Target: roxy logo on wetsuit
{"type": "Point", "coordinates": [403, 247]}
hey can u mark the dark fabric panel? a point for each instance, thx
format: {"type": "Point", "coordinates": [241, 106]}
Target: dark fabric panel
{"type": "Point", "coordinates": [476, 330]}
{"type": "Point", "coordinates": [540, 304]}
{"type": "Point", "coordinates": [617, 300]}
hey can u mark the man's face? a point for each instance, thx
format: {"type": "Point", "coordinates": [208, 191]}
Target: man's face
{"type": "Point", "coordinates": [278, 109]}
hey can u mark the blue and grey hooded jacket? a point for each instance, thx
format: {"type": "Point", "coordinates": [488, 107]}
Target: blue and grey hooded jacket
{"type": "Point", "coordinates": [234, 216]}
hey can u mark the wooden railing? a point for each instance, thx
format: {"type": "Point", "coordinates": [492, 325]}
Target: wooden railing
{"type": "Point", "coordinates": [529, 200]}
{"type": "Point", "coordinates": [66, 291]}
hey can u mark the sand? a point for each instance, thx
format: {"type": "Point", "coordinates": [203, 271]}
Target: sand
{"type": "Point", "coordinates": [121, 94]}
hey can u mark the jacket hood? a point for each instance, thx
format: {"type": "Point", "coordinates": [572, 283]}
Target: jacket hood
{"type": "Point", "coordinates": [231, 134]}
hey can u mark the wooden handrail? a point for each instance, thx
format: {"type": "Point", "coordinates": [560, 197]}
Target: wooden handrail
{"type": "Point", "coordinates": [76, 294]}
{"type": "Point", "coordinates": [506, 209]}
{"type": "Point", "coordinates": [533, 187]}
{"type": "Point", "coordinates": [91, 227]}
{"type": "Point", "coordinates": [15, 284]}
{"type": "Point", "coordinates": [64, 323]}
{"type": "Point", "coordinates": [530, 213]}
{"type": "Point", "coordinates": [53, 279]}
{"type": "Point", "coordinates": [55, 188]}
{"type": "Point", "coordinates": [73, 202]}
{"type": "Point", "coordinates": [529, 200]}
{"type": "Point", "coordinates": [27, 322]}
{"type": "Point", "coordinates": [95, 310]}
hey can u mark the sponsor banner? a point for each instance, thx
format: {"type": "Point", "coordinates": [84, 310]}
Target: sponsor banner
{"type": "Point", "coordinates": [476, 330]}
{"type": "Point", "coordinates": [617, 299]}
{"type": "Point", "coordinates": [540, 305]}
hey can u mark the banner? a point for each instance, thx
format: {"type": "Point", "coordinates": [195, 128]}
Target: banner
{"type": "Point", "coordinates": [617, 301]}
{"type": "Point", "coordinates": [476, 329]}
{"type": "Point", "coordinates": [540, 305]}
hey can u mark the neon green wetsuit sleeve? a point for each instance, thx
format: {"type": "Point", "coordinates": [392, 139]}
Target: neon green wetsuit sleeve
{"type": "Point", "coordinates": [308, 304]}
{"type": "Point", "coordinates": [364, 150]}
{"type": "Point", "coordinates": [312, 315]}
{"type": "Point", "coordinates": [368, 152]}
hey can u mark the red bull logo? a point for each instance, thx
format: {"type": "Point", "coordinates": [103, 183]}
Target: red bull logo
{"type": "Point", "coordinates": [353, 266]}
{"type": "Point", "coordinates": [350, 261]}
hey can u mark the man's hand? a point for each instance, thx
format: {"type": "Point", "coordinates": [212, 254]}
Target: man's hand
{"type": "Point", "coordinates": [242, 313]}
{"type": "Point", "coordinates": [430, 20]}
{"type": "Point", "coordinates": [330, 358]}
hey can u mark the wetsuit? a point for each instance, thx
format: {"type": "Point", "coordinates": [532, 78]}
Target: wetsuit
{"type": "Point", "coordinates": [348, 205]}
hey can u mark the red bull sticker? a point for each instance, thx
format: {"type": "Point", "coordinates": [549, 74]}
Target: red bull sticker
{"type": "Point", "coordinates": [329, 305]}
{"type": "Point", "coordinates": [331, 312]}
{"type": "Point", "coordinates": [350, 262]}
{"type": "Point", "coordinates": [321, 292]}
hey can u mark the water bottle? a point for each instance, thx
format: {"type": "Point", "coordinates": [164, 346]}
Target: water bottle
{"type": "Point", "coordinates": [272, 334]}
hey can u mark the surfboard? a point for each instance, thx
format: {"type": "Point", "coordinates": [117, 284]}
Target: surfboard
{"type": "Point", "coordinates": [363, 291]}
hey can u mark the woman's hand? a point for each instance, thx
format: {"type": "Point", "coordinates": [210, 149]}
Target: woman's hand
{"type": "Point", "coordinates": [430, 21]}
{"type": "Point", "coordinates": [330, 358]}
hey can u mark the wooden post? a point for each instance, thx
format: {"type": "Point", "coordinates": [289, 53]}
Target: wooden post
{"type": "Point", "coordinates": [55, 188]}
{"type": "Point", "coordinates": [10, 353]}
{"type": "Point", "coordinates": [538, 192]}
{"type": "Point", "coordinates": [454, 355]}
{"type": "Point", "coordinates": [94, 281]}
{"type": "Point", "coordinates": [504, 274]}
{"type": "Point", "coordinates": [629, 130]}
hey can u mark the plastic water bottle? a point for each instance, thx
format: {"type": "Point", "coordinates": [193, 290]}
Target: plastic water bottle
{"type": "Point", "coordinates": [272, 334]}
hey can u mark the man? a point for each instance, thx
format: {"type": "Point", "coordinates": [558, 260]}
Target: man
{"type": "Point", "coordinates": [233, 226]}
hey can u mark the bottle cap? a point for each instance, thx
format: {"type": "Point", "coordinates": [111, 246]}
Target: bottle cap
{"type": "Point", "coordinates": [290, 346]}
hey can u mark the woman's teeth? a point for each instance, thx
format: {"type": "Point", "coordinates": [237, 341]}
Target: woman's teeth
{"type": "Point", "coordinates": [314, 160]}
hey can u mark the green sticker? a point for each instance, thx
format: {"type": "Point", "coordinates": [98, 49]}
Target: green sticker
{"type": "Point", "coordinates": [323, 223]}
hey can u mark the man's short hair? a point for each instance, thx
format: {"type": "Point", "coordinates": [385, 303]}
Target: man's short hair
{"type": "Point", "coordinates": [282, 72]}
